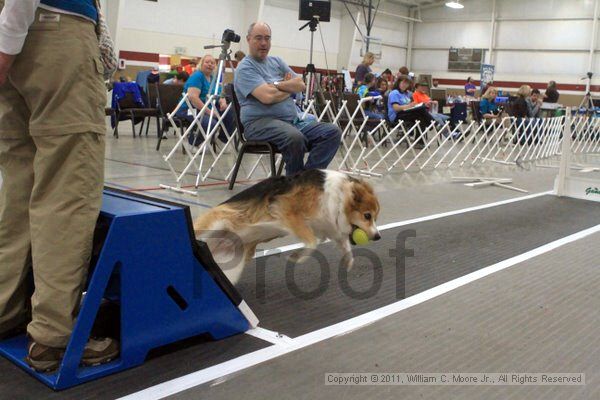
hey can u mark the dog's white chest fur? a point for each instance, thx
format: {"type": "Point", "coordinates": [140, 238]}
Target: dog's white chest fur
{"type": "Point", "coordinates": [332, 222]}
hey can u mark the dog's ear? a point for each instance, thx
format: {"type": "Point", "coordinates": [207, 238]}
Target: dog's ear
{"type": "Point", "coordinates": [360, 190]}
{"type": "Point", "coordinates": [355, 193]}
{"type": "Point", "coordinates": [363, 195]}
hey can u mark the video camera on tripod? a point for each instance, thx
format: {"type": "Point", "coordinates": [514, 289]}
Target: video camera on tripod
{"type": "Point", "coordinates": [313, 11]}
{"type": "Point", "coordinates": [229, 35]}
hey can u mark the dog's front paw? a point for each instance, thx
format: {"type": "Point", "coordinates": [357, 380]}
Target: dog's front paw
{"type": "Point", "coordinates": [348, 261]}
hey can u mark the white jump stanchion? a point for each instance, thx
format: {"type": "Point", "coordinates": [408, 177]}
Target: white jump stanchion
{"type": "Point", "coordinates": [565, 160]}
{"type": "Point", "coordinates": [570, 185]}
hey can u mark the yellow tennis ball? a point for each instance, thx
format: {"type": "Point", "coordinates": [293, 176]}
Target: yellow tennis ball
{"type": "Point", "coordinates": [360, 237]}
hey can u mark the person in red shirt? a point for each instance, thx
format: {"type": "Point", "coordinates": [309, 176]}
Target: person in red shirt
{"type": "Point", "coordinates": [420, 96]}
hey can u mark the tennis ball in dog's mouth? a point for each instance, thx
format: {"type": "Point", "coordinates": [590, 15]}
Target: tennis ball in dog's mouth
{"type": "Point", "coordinates": [360, 237]}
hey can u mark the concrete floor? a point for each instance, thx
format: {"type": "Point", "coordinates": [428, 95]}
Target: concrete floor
{"type": "Point", "coordinates": [133, 164]}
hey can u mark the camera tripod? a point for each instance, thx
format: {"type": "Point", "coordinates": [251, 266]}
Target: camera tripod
{"type": "Point", "coordinates": [310, 67]}
{"type": "Point", "coordinates": [586, 103]}
{"type": "Point", "coordinates": [224, 57]}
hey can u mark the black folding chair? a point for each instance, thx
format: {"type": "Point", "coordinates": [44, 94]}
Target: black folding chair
{"type": "Point", "coordinates": [244, 146]}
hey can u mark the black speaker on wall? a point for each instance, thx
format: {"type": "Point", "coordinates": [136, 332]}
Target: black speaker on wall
{"type": "Point", "coordinates": [310, 9]}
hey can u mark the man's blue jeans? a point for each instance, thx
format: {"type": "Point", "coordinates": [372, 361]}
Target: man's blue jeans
{"type": "Point", "coordinates": [320, 139]}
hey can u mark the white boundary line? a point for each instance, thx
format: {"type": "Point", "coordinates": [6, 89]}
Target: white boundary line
{"type": "Point", "coordinates": [257, 357]}
{"type": "Point", "coordinates": [289, 247]}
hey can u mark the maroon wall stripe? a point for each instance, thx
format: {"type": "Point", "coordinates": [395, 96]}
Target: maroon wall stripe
{"type": "Point", "coordinates": [139, 56]}
{"type": "Point", "coordinates": [153, 57]}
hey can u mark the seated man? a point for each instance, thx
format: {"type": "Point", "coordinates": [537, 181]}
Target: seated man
{"type": "Point", "coordinates": [263, 85]}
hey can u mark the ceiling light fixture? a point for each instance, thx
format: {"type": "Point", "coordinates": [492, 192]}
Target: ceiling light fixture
{"type": "Point", "coordinates": [454, 4]}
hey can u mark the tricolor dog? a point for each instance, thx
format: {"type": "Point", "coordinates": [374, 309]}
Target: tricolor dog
{"type": "Point", "coordinates": [313, 205]}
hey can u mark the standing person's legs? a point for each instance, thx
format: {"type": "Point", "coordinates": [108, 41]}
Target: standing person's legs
{"type": "Point", "coordinates": [67, 127]}
{"type": "Point", "coordinates": [64, 207]}
{"type": "Point", "coordinates": [17, 152]}
{"type": "Point", "coordinates": [323, 143]}
{"type": "Point", "coordinates": [289, 140]}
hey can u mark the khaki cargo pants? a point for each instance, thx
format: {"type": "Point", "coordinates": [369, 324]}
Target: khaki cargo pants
{"type": "Point", "coordinates": [52, 128]}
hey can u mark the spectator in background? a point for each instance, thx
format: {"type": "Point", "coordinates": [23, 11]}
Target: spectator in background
{"type": "Point", "coordinates": [420, 96]}
{"type": "Point", "coordinates": [383, 86]}
{"type": "Point", "coordinates": [388, 76]}
{"type": "Point", "coordinates": [198, 87]}
{"type": "Point", "coordinates": [363, 68]}
{"type": "Point", "coordinates": [263, 85]}
{"type": "Point", "coordinates": [369, 88]}
{"type": "Point", "coordinates": [487, 107]}
{"type": "Point", "coordinates": [403, 72]}
{"type": "Point", "coordinates": [534, 104]}
{"type": "Point", "coordinates": [154, 76]}
{"type": "Point", "coordinates": [179, 79]}
{"type": "Point", "coordinates": [551, 95]}
{"type": "Point", "coordinates": [368, 81]}
{"type": "Point", "coordinates": [435, 84]}
{"type": "Point", "coordinates": [470, 88]}
{"type": "Point", "coordinates": [239, 55]}
{"type": "Point", "coordinates": [191, 67]}
{"type": "Point", "coordinates": [519, 106]}
{"type": "Point", "coordinates": [402, 108]}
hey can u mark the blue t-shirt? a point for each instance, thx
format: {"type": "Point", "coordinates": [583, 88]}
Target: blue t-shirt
{"type": "Point", "coordinates": [362, 91]}
{"type": "Point", "coordinates": [487, 107]}
{"type": "Point", "coordinates": [198, 81]}
{"type": "Point", "coordinates": [250, 74]}
{"type": "Point", "coordinates": [468, 87]}
{"type": "Point", "coordinates": [397, 97]}
{"type": "Point", "coordinates": [85, 8]}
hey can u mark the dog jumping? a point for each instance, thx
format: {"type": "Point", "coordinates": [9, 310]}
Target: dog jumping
{"type": "Point", "coordinates": [313, 205]}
